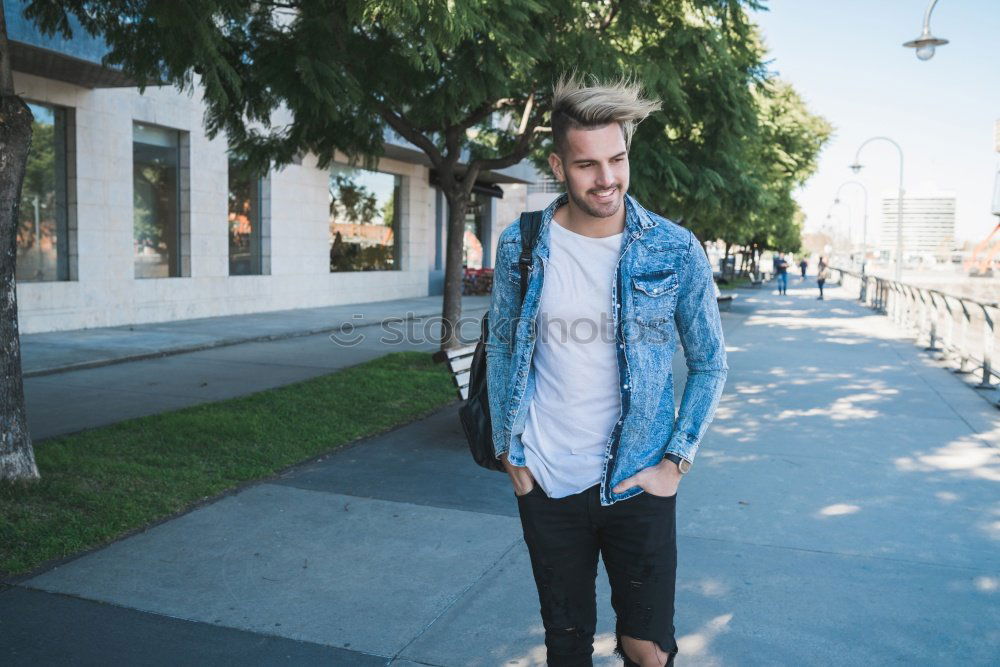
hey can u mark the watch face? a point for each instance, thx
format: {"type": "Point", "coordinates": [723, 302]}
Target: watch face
{"type": "Point", "coordinates": [684, 465]}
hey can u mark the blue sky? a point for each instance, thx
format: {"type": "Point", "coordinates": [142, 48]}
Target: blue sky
{"type": "Point", "coordinates": [845, 58]}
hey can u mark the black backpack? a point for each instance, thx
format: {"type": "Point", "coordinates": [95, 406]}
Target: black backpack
{"type": "Point", "coordinates": [475, 413]}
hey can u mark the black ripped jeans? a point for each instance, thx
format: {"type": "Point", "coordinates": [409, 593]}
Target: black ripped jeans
{"type": "Point", "coordinates": [636, 537]}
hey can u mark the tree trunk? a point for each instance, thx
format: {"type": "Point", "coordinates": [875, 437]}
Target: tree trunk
{"type": "Point", "coordinates": [17, 458]}
{"type": "Point", "coordinates": [457, 200]}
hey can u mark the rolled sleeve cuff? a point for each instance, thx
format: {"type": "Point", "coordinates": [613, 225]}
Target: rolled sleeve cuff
{"type": "Point", "coordinates": [683, 445]}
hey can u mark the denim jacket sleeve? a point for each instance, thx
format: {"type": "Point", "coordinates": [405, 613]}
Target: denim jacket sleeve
{"type": "Point", "coordinates": [699, 327]}
{"type": "Point", "coordinates": [499, 340]}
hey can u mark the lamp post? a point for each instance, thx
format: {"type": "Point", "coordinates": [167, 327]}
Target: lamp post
{"type": "Point", "coordinates": [864, 224]}
{"type": "Point", "coordinates": [864, 235]}
{"type": "Point", "coordinates": [926, 42]}
{"type": "Point", "coordinates": [856, 167]}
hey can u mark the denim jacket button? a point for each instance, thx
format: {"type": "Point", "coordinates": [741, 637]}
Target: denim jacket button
{"type": "Point", "coordinates": [624, 386]}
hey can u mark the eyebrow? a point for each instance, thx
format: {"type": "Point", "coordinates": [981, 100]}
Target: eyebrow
{"type": "Point", "coordinates": [581, 160]}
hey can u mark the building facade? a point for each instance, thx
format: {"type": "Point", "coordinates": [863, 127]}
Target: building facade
{"type": "Point", "coordinates": [131, 214]}
{"type": "Point", "coordinates": [928, 224]}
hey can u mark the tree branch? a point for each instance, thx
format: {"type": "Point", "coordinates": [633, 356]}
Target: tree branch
{"type": "Point", "coordinates": [406, 130]}
{"type": "Point", "coordinates": [606, 23]}
{"type": "Point", "coordinates": [520, 151]}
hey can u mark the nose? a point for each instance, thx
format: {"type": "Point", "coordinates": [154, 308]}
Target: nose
{"type": "Point", "coordinates": [605, 177]}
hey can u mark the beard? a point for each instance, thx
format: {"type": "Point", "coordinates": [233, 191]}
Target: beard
{"type": "Point", "coordinates": [598, 210]}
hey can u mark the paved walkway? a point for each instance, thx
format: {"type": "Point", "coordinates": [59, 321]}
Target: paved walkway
{"type": "Point", "coordinates": [94, 377]}
{"type": "Point", "coordinates": [843, 509]}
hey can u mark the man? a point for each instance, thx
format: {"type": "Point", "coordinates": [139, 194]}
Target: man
{"type": "Point", "coordinates": [781, 268]}
{"type": "Point", "coordinates": [583, 410]}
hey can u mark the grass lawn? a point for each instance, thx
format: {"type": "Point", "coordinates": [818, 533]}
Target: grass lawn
{"type": "Point", "coordinates": [100, 484]}
{"type": "Point", "coordinates": [737, 282]}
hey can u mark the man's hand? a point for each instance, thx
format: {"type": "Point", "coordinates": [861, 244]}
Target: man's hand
{"type": "Point", "coordinates": [659, 480]}
{"type": "Point", "coordinates": [520, 476]}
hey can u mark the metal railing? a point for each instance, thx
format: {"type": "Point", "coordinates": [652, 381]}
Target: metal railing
{"type": "Point", "coordinates": [961, 329]}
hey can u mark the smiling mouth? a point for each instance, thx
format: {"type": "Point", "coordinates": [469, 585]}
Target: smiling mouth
{"type": "Point", "coordinates": [604, 194]}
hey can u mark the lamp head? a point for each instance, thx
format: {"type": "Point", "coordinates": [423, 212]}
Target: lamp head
{"type": "Point", "coordinates": [925, 44]}
{"type": "Point", "coordinates": [856, 167]}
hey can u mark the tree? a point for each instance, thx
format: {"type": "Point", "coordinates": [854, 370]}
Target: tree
{"type": "Point", "coordinates": [17, 458]}
{"type": "Point", "coordinates": [466, 82]}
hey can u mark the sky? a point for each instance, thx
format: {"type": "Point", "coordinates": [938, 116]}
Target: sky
{"type": "Point", "coordinates": [846, 59]}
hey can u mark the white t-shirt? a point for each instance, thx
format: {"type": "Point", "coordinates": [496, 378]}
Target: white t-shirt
{"type": "Point", "coordinates": [576, 401]}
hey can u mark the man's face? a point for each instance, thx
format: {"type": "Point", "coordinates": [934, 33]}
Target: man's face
{"type": "Point", "coordinates": [594, 166]}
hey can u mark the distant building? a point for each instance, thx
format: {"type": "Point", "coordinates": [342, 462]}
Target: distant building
{"type": "Point", "coordinates": [928, 224]}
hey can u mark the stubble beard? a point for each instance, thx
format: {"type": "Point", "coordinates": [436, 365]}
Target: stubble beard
{"type": "Point", "coordinates": [605, 211]}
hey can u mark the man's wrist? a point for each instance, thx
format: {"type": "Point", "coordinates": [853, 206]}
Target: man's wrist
{"type": "Point", "coordinates": [683, 465]}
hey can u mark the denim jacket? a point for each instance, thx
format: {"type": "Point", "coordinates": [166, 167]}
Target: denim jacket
{"type": "Point", "coordinates": [662, 292]}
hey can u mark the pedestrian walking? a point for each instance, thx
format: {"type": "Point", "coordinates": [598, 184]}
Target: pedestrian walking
{"type": "Point", "coordinates": [821, 275]}
{"type": "Point", "coordinates": [584, 424]}
{"type": "Point", "coordinates": [803, 265]}
{"type": "Point", "coordinates": [781, 271]}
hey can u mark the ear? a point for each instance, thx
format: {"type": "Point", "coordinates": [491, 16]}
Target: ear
{"type": "Point", "coordinates": [555, 163]}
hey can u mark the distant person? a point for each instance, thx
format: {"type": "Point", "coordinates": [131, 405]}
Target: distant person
{"type": "Point", "coordinates": [781, 271]}
{"type": "Point", "coordinates": [803, 265]}
{"type": "Point", "coordinates": [821, 276]}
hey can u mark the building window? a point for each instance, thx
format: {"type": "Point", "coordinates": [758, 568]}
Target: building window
{"type": "Point", "coordinates": [42, 228]}
{"type": "Point", "coordinates": [472, 241]}
{"type": "Point", "coordinates": [545, 186]}
{"type": "Point", "coordinates": [245, 221]}
{"type": "Point", "coordinates": [364, 219]}
{"type": "Point", "coordinates": [156, 201]}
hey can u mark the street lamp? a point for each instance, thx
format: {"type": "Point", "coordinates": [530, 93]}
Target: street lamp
{"type": "Point", "coordinates": [926, 43]}
{"type": "Point", "coordinates": [836, 225]}
{"type": "Point", "coordinates": [856, 167]}
{"type": "Point", "coordinates": [864, 225]}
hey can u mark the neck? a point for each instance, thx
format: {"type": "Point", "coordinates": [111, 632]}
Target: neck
{"type": "Point", "coordinates": [575, 219]}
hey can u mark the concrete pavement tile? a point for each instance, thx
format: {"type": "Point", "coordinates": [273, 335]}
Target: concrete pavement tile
{"type": "Point", "coordinates": [56, 409]}
{"type": "Point", "coordinates": [498, 622]}
{"type": "Point", "coordinates": [744, 604]}
{"type": "Point", "coordinates": [879, 438]}
{"type": "Point", "coordinates": [938, 505]}
{"type": "Point", "coordinates": [425, 463]}
{"type": "Point", "coordinates": [45, 629]}
{"type": "Point", "coordinates": [751, 605]}
{"type": "Point", "coordinates": [319, 567]}
{"type": "Point", "coordinates": [317, 351]}
{"type": "Point", "coordinates": [183, 376]}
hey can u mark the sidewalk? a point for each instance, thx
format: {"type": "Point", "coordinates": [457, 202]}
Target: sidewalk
{"type": "Point", "coordinates": [842, 510]}
{"type": "Point", "coordinates": [94, 377]}
{"type": "Point", "coordinates": [60, 351]}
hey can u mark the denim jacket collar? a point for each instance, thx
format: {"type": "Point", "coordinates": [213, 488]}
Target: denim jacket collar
{"type": "Point", "coordinates": [637, 221]}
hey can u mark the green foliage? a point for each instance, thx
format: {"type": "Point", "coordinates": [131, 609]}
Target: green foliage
{"type": "Point", "coordinates": [469, 81]}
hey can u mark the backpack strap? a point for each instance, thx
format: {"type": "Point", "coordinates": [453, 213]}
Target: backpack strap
{"type": "Point", "coordinates": [531, 222]}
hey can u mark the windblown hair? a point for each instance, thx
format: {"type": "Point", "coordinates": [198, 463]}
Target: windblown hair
{"type": "Point", "coordinates": [577, 106]}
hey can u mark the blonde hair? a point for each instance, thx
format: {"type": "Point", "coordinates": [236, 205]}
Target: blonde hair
{"type": "Point", "coordinates": [578, 106]}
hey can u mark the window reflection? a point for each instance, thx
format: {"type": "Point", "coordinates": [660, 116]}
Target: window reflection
{"type": "Point", "coordinates": [42, 221]}
{"type": "Point", "coordinates": [364, 219]}
{"type": "Point", "coordinates": [244, 221]}
{"type": "Point", "coordinates": [156, 213]}
{"type": "Point", "coordinates": [472, 241]}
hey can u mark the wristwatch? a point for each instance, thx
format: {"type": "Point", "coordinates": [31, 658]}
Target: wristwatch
{"type": "Point", "coordinates": [682, 464]}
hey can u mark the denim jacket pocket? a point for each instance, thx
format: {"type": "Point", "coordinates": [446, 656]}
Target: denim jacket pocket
{"type": "Point", "coordinates": [655, 294]}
